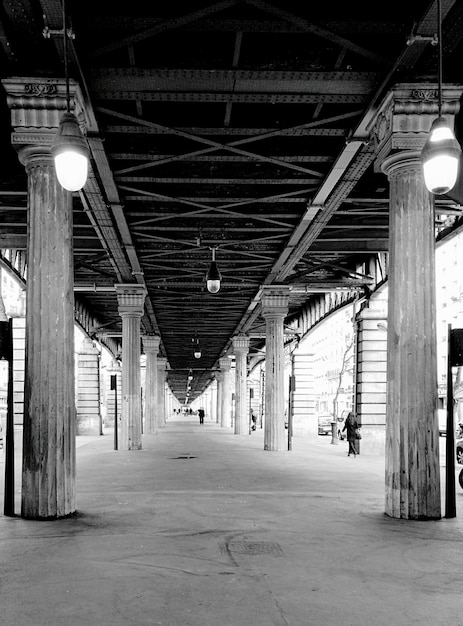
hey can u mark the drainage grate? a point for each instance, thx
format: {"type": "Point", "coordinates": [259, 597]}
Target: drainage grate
{"type": "Point", "coordinates": [256, 548]}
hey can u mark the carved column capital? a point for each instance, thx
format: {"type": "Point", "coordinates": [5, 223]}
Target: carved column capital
{"type": "Point", "coordinates": [275, 301]}
{"type": "Point", "coordinates": [162, 363]}
{"type": "Point", "coordinates": [405, 116]}
{"type": "Point", "coordinates": [37, 105]}
{"type": "Point", "coordinates": [131, 299]}
{"type": "Point", "coordinates": [240, 344]}
{"type": "Point", "coordinates": [151, 343]}
{"type": "Point", "coordinates": [224, 364]}
{"type": "Point", "coordinates": [407, 160]}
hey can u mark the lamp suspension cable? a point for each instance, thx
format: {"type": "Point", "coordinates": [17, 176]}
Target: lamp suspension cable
{"type": "Point", "coordinates": [439, 56]}
{"type": "Point", "coordinates": [441, 153]}
{"type": "Point", "coordinates": [66, 62]}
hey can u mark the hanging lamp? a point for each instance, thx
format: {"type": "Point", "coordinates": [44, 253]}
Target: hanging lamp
{"type": "Point", "coordinates": [213, 276]}
{"type": "Point", "coordinates": [69, 148]}
{"type": "Point", "coordinates": [440, 156]}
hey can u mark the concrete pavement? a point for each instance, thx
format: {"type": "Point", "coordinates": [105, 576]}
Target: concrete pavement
{"type": "Point", "coordinates": [204, 527]}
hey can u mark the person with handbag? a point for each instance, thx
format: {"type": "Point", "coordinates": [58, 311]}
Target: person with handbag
{"type": "Point", "coordinates": [353, 434]}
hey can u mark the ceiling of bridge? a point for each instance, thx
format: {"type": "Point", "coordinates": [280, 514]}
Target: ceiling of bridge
{"type": "Point", "coordinates": [227, 125]}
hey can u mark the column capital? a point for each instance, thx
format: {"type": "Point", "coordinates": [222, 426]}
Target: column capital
{"type": "Point", "coordinates": [274, 301]}
{"type": "Point", "coordinates": [405, 116]}
{"type": "Point", "coordinates": [162, 363]}
{"type": "Point", "coordinates": [240, 344]}
{"type": "Point", "coordinates": [37, 105]}
{"type": "Point", "coordinates": [219, 377]}
{"type": "Point", "coordinates": [151, 343]}
{"type": "Point", "coordinates": [130, 299]}
{"type": "Point", "coordinates": [225, 364]}
{"type": "Point", "coordinates": [399, 161]}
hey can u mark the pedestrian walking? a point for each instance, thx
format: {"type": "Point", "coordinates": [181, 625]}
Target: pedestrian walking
{"type": "Point", "coordinates": [201, 414]}
{"type": "Point", "coordinates": [353, 434]}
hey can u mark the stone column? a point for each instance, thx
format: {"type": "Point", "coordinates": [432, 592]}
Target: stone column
{"type": "Point", "coordinates": [412, 435]}
{"type": "Point", "coordinates": [88, 408]}
{"type": "Point", "coordinates": [161, 392]}
{"type": "Point", "coordinates": [219, 379]}
{"type": "Point", "coordinates": [151, 348]}
{"type": "Point", "coordinates": [213, 389]}
{"type": "Point", "coordinates": [131, 300]}
{"type": "Point", "coordinates": [48, 486]}
{"type": "Point", "coordinates": [168, 402]}
{"type": "Point", "coordinates": [48, 469]}
{"type": "Point", "coordinates": [274, 311]}
{"type": "Point", "coordinates": [241, 350]}
{"type": "Point", "coordinates": [225, 408]}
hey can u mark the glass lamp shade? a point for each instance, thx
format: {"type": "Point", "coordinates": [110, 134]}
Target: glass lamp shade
{"type": "Point", "coordinates": [71, 154]}
{"type": "Point", "coordinates": [213, 278]}
{"type": "Point", "coordinates": [197, 354]}
{"type": "Point", "coordinates": [213, 286]}
{"type": "Point", "coordinates": [440, 158]}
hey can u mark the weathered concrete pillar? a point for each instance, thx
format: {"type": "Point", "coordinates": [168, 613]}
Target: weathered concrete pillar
{"type": "Point", "coordinates": [161, 392]}
{"type": "Point", "coordinates": [225, 410]}
{"type": "Point", "coordinates": [151, 348]}
{"type": "Point", "coordinates": [88, 407]}
{"type": "Point", "coordinates": [412, 435]}
{"type": "Point", "coordinates": [48, 471]}
{"type": "Point", "coordinates": [274, 311]}
{"type": "Point", "coordinates": [241, 350]}
{"type": "Point", "coordinates": [131, 299]}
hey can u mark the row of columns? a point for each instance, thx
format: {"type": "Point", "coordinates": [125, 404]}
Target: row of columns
{"type": "Point", "coordinates": [400, 128]}
{"type": "Point", "coordinates": [274, 303]}
{"type": "Point", "coordinates": [88, 397]}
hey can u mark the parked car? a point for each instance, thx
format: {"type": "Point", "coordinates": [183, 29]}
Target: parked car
{"type": "Point", "coordinates": [324, 424]}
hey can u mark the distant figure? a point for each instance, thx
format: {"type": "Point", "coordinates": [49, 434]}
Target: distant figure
{"type": "Point", "coordinates": [352, 428]}
{"type": "Point", "coordinates": [201, 415]}
{"type": "Point", "coordinates": [253, 420]}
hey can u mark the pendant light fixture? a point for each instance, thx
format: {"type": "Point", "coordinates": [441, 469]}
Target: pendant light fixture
{"type": "Point", "coordinates": [196, 347]}
{"type": "Point", "coordinates": [440, 156]}
{"type": "Point", "coordinates": [69, 148]}
{"type": "Point", "coordinates": [213, 276]}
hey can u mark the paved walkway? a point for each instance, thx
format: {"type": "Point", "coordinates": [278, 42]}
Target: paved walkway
{"type": "Point", "coordinates": [205, 528]}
